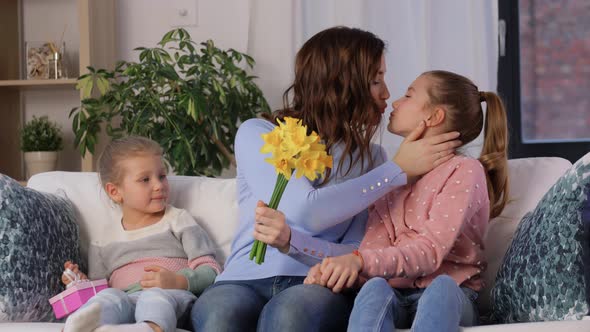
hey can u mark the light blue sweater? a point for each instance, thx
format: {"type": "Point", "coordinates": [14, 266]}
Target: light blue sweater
{"type": "Point", "coordinates": [325, 221]}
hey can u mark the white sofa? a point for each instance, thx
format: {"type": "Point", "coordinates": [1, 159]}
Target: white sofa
{"type": "Point", "coordinates": [213, 203]}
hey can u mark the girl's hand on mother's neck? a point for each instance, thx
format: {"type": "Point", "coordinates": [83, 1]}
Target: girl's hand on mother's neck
{"type": "Point", "coordinates": [417, 156]}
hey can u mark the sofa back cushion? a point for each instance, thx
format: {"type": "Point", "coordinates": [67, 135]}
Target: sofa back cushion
{"type": "Point", "coordinates": [542, 275]}
{"type": "Point", "coordinates": [38, 233]}
{"type": "Point", "coordinates": [529, 180]}
{"type": "Point", "coordinates": [211, 201]}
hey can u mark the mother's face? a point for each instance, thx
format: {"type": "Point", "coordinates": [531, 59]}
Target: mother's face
{"type": "Point", "coordinates": [379, 89]}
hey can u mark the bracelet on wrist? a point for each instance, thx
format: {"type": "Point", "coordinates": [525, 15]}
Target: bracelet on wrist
{"type": "Point", "coordinates": [357, 253]}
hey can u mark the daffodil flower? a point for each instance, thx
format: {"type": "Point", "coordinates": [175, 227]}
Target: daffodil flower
{"type": "Point", "coordinates": [272, 141]}
{"type": "Point", "coordinates": [291, 149]}
{"type": "Point", "coordinates": [283, 164]}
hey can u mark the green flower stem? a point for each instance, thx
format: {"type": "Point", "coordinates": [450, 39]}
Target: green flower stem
{"type": "Point", "coordinates": [259, 248]}
{"type": "Point", "coordinates": [253, 251]}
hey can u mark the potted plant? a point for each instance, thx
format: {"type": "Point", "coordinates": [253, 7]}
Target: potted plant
{"type": "Point", "coordinates": [189, 98]}
{"type": "Point", "coordinates": [41, 140]}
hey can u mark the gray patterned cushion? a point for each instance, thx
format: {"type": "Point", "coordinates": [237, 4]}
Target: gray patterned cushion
{"type": "Point", "coordinates": [542, 275]}
{"type": "Point", "coordinates": [37, 235]}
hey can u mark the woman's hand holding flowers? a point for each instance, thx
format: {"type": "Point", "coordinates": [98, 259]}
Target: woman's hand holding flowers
{"type": "Point", "coordinates": [271, 228]}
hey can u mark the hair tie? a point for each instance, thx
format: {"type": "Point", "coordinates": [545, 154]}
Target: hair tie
{"type": "Point", "coordinates": [482, 96]}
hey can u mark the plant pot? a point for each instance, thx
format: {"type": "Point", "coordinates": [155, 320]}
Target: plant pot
{"type": "Point", "coordinates": [40, 161]}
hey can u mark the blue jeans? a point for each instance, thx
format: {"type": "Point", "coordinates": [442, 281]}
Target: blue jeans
{"type": "Point", "coordinates": [161, 306]}
{"type": "Point", "coordinates": [280, 303]}
{"type": "Point", "coordinates": [442, 306]}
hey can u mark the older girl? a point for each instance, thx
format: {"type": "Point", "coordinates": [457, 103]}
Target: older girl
{"type": "Point", "coordinates": [423, 249]}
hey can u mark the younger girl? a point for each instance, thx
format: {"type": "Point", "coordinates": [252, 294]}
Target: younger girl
{"type": "Point", "coordinates": [423, 247]}
{"type": "Point", "coordinates": [156, 257]}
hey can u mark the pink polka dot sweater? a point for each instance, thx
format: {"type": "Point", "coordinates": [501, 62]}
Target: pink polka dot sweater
{"type": "Point", "coordinates": [434, 226]}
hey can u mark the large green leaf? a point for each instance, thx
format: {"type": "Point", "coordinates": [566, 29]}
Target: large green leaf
{"type": "Point", "coordinates": [85, 85]}
{"type": "Point", "coordinates": [102, 84]}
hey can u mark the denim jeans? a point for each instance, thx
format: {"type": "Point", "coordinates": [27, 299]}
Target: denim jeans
{"type": "Point", "coordinates": [442, 306]}
{"type": "Point", "coordinates": [279, 303]}
{"type": "Point", "coordinates": [161, 306]}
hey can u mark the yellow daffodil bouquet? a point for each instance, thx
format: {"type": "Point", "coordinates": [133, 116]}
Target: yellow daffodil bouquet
{"type": "Point", "coordinates": [292, 150]}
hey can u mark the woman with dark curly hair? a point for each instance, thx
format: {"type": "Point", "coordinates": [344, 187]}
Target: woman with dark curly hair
{"type": "Point", "coordinates": [340, 93]}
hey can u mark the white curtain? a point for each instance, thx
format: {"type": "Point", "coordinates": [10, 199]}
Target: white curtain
{"type": "Point", "coordinates": [455, 35]}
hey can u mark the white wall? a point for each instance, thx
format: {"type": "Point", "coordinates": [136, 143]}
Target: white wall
{"type": "Point", "coordinates": [274, 40]}
{"type": "Point", "coordinates": [144, 22]}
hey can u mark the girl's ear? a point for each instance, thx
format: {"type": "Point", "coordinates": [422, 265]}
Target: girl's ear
{"type": "Point", "coordinates": [437, 117]}
{"type": "Point", "coordinates": [113, 191]}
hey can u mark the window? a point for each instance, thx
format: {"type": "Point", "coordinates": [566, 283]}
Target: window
{"type": "Point", "coordinates": [544, 76]}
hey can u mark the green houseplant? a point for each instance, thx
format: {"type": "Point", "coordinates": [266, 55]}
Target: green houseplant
{"type": "Point", "coordinates": [189, 98]}
{"type": "Point", "coordinates": [41, 139]}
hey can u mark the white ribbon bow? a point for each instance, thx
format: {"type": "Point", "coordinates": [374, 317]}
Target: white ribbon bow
{"type": "Point", "coordinates": [73, 277]}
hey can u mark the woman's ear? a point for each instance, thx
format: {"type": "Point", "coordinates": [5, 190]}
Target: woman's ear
{"type": "Point", "coordinates": [113, 191]}
{"type": "Point", "coordinates": [437, 117]}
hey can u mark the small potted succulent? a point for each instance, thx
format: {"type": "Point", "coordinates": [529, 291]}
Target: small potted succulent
{"type": "Point", "coordinates": [41, 140]}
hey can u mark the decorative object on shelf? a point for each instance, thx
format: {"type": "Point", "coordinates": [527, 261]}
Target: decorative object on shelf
{"type": "Point", "coordinates": [189, 98]}
{"type": "Point", "coordinates": [37, 56]}
{"type": "Point", "coordinates": [41, 140]}
{"type": "Point", "coordinates": [45, 60]}
{"type": "Point", "coordinates": [55, 66]}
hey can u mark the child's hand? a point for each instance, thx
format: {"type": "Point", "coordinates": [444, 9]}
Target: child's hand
{"type": "Point", "coordinates": [314, 276]}
{"type": "Point", "coordinates": [68, 265]}
{"type": "Point", "coordinates": [271, 228]}
{"type": "Point", "coordinates": [340, 272]}
{"type": "Point", "coordinates": [157, 276]}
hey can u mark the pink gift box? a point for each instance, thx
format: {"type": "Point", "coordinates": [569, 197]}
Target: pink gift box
{"type": "Point", "coordinates": [75, 296]}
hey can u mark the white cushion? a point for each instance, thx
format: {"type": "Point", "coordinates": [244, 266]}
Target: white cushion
{"type": "Point", "coordinates": [581, 325]}
{"type": "Point", "coordinates": [39, 327]}
{"type": "Point", "coordinates": [557, 326]}
{"type": "Point", "coordinates": [211, 201]}
{"type": "Point", "coordinates": [529, 180]}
